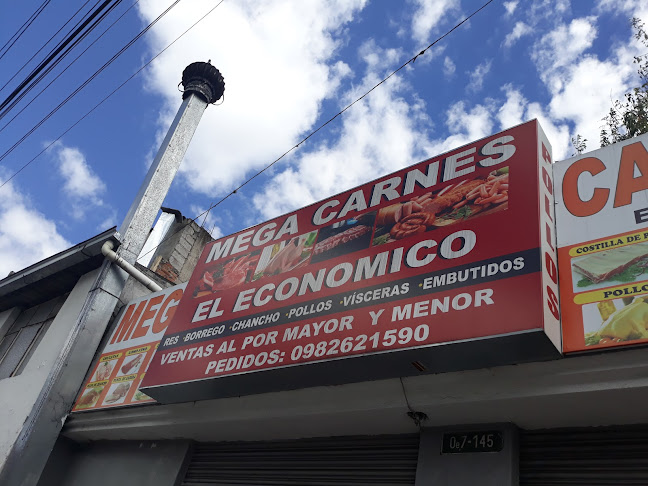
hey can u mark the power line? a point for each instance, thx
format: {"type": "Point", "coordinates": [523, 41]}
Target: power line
{"type": "Point", "coordinates": [26, 164]}
{"type": "Point", "coordinates": [68, 66]}
{"type": "Point", "coordinates": [294, 147]}
{"type": "Point", "coordinates": [60, 51]}
{"type": "Point", "coordinates": [44, 45]}
{"type": "Point", "coordinates": [86, 82]}
{"type": "Point", "coordinates": [23, 28]}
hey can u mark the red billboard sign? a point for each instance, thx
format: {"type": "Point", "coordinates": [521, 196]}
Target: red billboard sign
{"type": "Point", "coordinates": [448, 252]}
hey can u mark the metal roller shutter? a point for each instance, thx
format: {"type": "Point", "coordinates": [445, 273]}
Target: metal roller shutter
{"type": "Point", "coordinates": [379, 460]}
{"type": "Point", "coordinates": [596, 456]}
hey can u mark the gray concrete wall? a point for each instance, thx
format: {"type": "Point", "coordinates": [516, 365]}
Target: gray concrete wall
{"type": "Point", "coordinates": [18, 394]}
{"type": "Point", "coordinates": [7, 318]}
{"type": "Point", "coordinates": [468, 468]}
{"type": "Point", "coordinates": [120, 463]}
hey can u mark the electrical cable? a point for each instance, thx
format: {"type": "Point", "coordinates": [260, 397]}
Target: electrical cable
{"type": "Point", "coordinates": [45, 67]}
{"type": "Point", "coordinates": [49, 68]}
{"type": "Point", "coordinates": [417, 417]}
{"type": "Point", "coordinates": [65, 46]}
{"type": "Point", "coordinates": [26, 164]}
{"type": "Point", "coordinates": [23, 28]}
{"type": "Point", "coordinates": [44, 45]}
{"type": "Point", "coordinates": [68, 66]}
{"type": "Point", "coordinates": [86, 82]}
{"type": "Point", "coordinates": [410, 61]}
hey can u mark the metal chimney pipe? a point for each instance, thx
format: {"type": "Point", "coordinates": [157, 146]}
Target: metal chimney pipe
{"type": "Point", "coordinates": [203, 85]}
{"type": "Point", "coordinates": [26, 459]}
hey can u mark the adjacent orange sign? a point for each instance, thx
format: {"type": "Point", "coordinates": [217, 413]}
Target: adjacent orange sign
{"type": "Point", "coordinates": [116, 375]}
{"type": "Point", "coordinates": [602, 228]}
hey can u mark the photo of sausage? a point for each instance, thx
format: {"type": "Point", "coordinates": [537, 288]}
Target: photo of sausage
{"type": "Point", "coordinates": [452, 204]}
{"type": "Point", "coordinates": [131, 365]}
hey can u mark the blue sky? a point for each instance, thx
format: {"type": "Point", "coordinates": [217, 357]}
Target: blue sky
{"type": "Point", "coordinates": [289, 65]}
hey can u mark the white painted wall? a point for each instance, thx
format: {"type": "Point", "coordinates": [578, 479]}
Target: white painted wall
{"type": "Point", "coordinates": [19, 393]}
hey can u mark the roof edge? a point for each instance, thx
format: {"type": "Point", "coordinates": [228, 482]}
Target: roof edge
{"type": "Point", "coordinates": [58, 262]}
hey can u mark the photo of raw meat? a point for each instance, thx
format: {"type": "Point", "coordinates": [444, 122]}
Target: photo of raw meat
{"type": "Point", "coordinates": [103, 370]}
{"type": "Point", "coordinates": [344, 237]}
{"type": "Point", "coordinates": [131, 364]}
{"type": "Point", "coordinates": [450, 205]}
{"type": "Point", "coordinates": [117, 393]}
{"type": "Point", "coordinates": [228, 274]}
{"type": "Point", "coordinates": [625, 264]}
{"type": "Point", "coordinates": [285, 256]}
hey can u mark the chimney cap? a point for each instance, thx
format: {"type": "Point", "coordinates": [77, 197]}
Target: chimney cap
{"type": "Point", "coordinates": [204, 80]}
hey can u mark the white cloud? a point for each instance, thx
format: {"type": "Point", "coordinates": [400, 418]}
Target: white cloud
{"type": "Point", "coordinates": [449, 67]}
{"type": "Point", "coordinates": [278, 61]}
{"type": "Point", "coordinates": [520, 29]}
{"type": "Point", "coordinates": [582, 86]}
{"type": "Point", "coordinates": [108, 222]}
{"type": "Point", "coordinates": [467, 125]}
{"type": "Point", "coordinates": [629, 8]}
{"type": "Point", "coordinates": [548, 9]}
{"type": "Point", "coordinates": [379, 135]}
{"type": "Point", "coordinates": [80, 180]}
{"type": "Point", "coordinates": [585, 97]}
{"type": "Point", "coordinates": [376, 58]}
{"type": "Point", "coordinates": [81, 185]}
{"type": "Point", "coordinates": [510, 7]}
{"type": "Point", "coordinates": [207, 220]}
{"type": "Point", "coordinates": [562, 46]}
{"type": "Point", "coordinates": [477, 76]}
{"type": "Point", "coordinates": [26, 235]}
{"type": "Point", "coordinates": [464, 125]}
{"type": "Point", "coordinates": [557, 133]}
{"type": "Point", "coordinates": [511, 113]}
{"type": "Point", "coordinates": [428, 15]}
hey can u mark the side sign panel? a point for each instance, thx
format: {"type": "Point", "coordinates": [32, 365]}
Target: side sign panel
{"type": "Point", "coordinates": [122, 364]}
{"type": "Point", "coordinates": [551, 307]}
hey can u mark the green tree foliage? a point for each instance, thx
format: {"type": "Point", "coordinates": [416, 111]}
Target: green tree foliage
{"type": "Point", "coordinates": [579, 143]}
{"type": "Point", "coordinates": [629, 117]}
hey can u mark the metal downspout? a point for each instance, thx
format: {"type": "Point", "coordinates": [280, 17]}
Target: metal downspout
{"type": "Point", "coordinates": [107, 250]}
